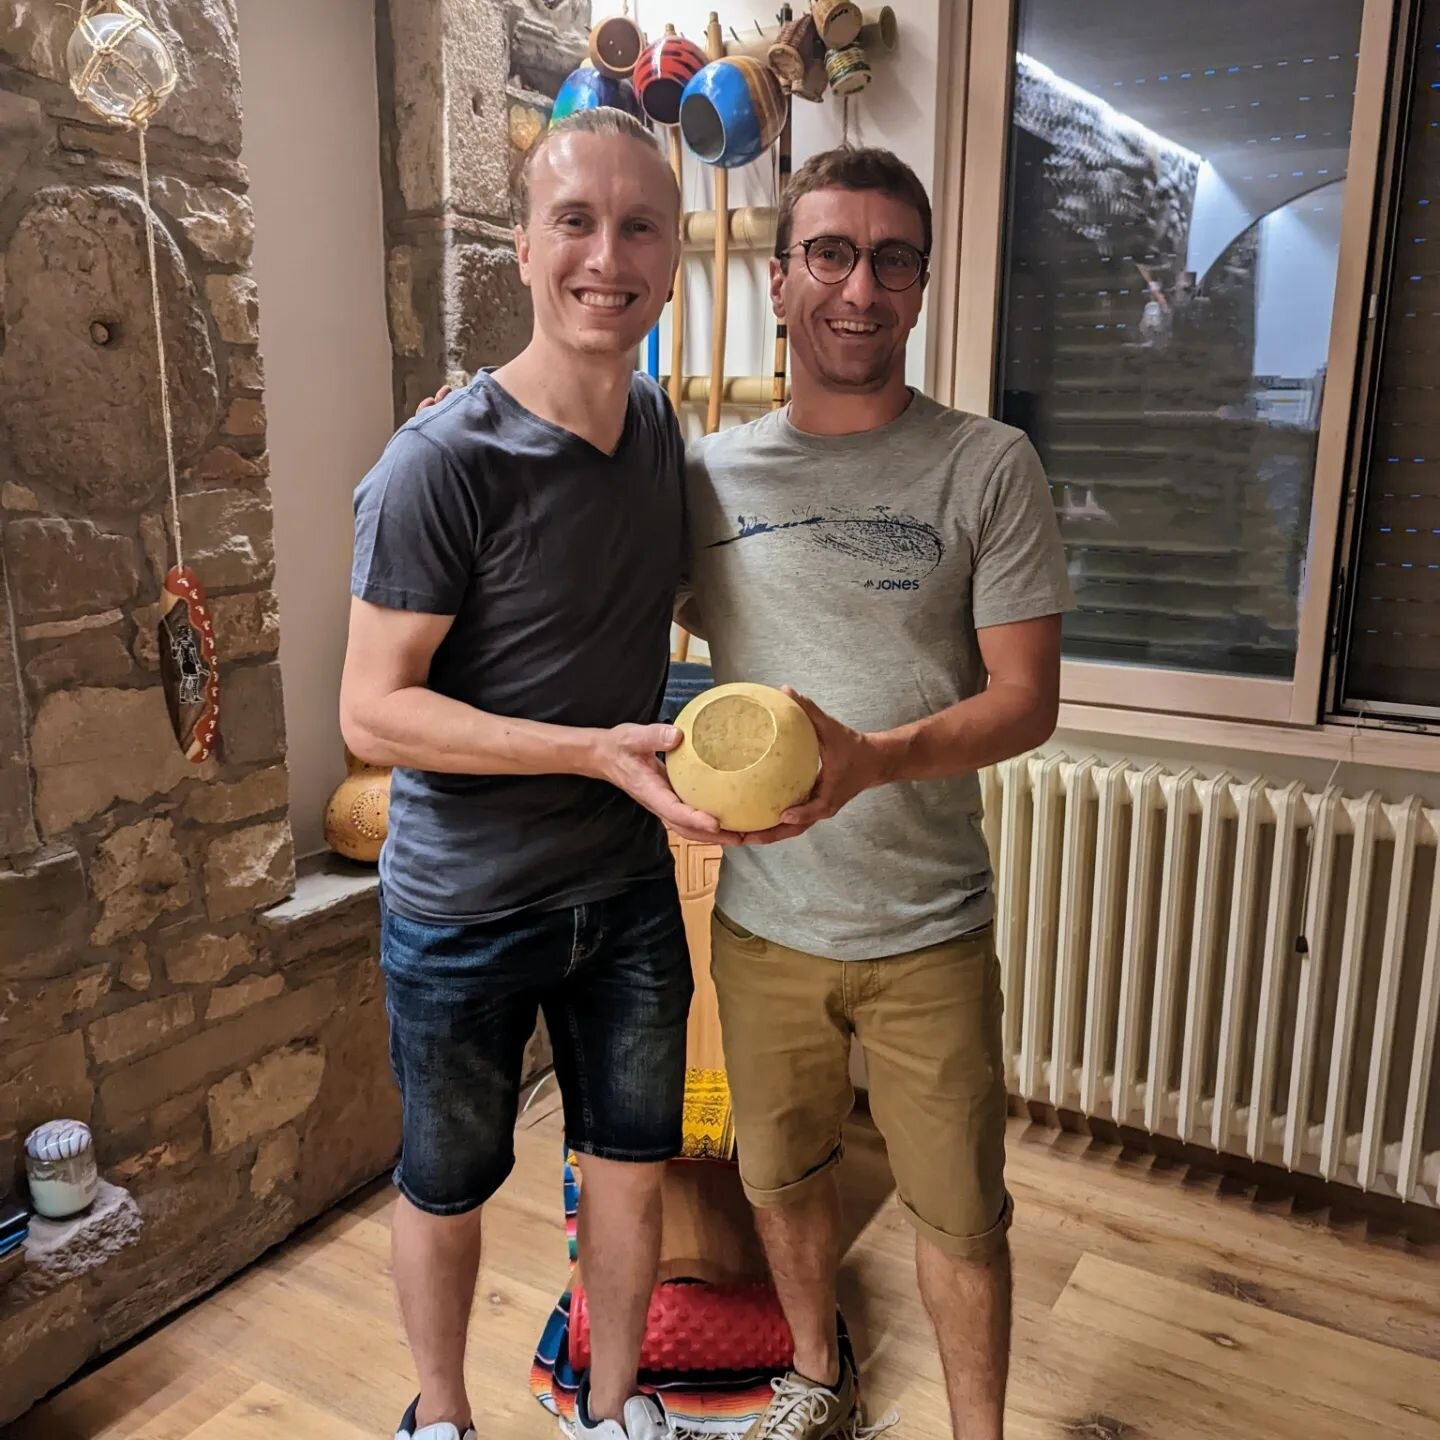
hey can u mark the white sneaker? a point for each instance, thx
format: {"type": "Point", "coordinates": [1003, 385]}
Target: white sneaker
{"type": "Point", "coordinates": [443, 1431]}
{"type": "Point", "coordinates": [645, 1419]}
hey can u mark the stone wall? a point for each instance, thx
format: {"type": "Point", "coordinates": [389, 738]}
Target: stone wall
{"type": "Point", "coordinates": [163, 975]}
{"type": "Point", "coordinates": [230, 1057]}
{"type": "Point", "coordinates": [465, 86]}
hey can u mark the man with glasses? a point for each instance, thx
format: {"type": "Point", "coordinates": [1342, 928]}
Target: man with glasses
{"type": "Point", "coordinates": [900, 564]}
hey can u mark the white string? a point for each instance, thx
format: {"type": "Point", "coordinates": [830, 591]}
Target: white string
{"type": "Point", "coordinates": [1349, 755]}
{"type": "Point", "coordinates": [856, 1431]}
{"type": "Point", "coordinates": [1302, 940]}
{"type": "Point", "coordinates": [770, 319]}
{"type": "Point", "coordinates": [160, 347]}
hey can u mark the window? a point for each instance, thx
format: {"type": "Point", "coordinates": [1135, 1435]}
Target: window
{"type": "Point", "coordinates": [1389, 658]}
{"type": "Point", "coordinates": [1177, 289]}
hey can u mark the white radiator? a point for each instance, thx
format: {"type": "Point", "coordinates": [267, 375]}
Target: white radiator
{"type": "Point", "coordinates": [1242, 966]}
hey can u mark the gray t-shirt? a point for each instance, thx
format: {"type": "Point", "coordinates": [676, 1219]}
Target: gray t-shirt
{"type": "Point", "coordinates": [857, 569]}
{"type": "Point", "coordinates": [559, 564]}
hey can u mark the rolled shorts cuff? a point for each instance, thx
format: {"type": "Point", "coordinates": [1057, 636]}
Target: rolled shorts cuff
{"type": "Point", "coordinates": [982, 1246]}
{"type": "Point", "coordinates": [796, 1189]}
{"type": "Point", "coordinates": [442, 1210]}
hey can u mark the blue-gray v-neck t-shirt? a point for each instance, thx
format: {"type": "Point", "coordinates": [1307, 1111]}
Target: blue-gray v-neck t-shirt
{"type": "Point", "coordinates": [560, 564]}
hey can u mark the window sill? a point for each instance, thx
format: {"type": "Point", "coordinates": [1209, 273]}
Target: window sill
{"type": "Point", "coordinates": [1394, 747]}
{"type": "Point", "coordinates": [325, 883]}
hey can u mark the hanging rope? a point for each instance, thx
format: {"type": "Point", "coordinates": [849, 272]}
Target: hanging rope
{"type": "Point", "coordinates": [132, 49]}
{"type": "Point", "coordinates": [160, 347]}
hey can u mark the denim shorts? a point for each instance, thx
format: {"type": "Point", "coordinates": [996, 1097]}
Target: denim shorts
{"type": "Point", "coordinates": [613, 980]}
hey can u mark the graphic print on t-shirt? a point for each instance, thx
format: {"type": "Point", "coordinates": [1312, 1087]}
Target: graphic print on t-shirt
{"type": "Point", "coordinates": [878, 548]}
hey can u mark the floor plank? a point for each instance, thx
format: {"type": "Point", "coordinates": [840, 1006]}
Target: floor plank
{"type": "Point", "coordinates": [1068, 1380]}
{"type": "Point", "coordinates": [1385, 1390]}
{"type": "Point", "coordinates": [147, 1394]}
{"type": "Point", "coordinates": [265, 1413]}
{"type": "Point", "coordinates": [1174, 1221]}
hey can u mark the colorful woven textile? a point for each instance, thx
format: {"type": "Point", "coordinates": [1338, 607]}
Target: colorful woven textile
{"type": "Point", "coordinates": [715, 1403]}
{"type": "Point", "coordinates": [702, 1403]}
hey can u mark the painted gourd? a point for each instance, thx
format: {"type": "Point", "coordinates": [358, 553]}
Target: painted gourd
{"type": "Point", "coordinates": [732, 111]}
{"type": "Point", "coordinates": [588, 89]}
{"type": "Point", "coordinates": [357, 817]}
{"type": "Point", "coordinates": [661, 74]}
{"type": "Point", "coordinates": [615, 44]}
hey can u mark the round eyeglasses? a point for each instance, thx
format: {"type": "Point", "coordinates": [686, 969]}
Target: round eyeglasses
{"type": "Point", "coordinates": [896, 264]}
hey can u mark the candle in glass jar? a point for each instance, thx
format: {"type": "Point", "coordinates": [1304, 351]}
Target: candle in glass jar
{"type": "Point", "coordinates": [60, 1166]}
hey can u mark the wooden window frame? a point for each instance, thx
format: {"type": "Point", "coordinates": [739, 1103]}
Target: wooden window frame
{"type": "Point", "coordinates": [1400, 81]}
{"type": "Point", "coordinates": [1234, 712]}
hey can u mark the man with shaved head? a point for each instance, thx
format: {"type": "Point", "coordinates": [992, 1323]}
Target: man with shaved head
{"type": "Point", "coordinates": [517, 552]}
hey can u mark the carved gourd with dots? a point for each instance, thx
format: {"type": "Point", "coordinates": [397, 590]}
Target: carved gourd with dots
{"type": "Point", "coordinates": [357, 817]}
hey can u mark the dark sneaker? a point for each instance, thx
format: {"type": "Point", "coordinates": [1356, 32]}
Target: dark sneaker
{"type": "Point", "coordinates": [443, 1431]}
{"type": "Point", "coordinates": [644, 1419]}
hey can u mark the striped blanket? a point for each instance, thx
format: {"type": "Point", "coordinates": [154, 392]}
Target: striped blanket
{"type": "Point", "coordinates": [713, 1403]}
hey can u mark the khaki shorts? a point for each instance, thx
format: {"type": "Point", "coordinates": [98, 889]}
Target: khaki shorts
{"type": "Point", "coordinates": [929, 1025]}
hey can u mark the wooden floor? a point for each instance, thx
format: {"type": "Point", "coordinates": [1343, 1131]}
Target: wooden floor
{"type": "Point", "coordinates": [1150, 1302]}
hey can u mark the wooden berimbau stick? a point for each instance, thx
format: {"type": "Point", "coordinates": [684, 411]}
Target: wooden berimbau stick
{"type": "Point", "coordinates": [715, 48]}
{"type": "Point", "coordinates": [677, 329]}
{"type": "Point", "coordinates": [777, 395]}
{"type": "Point", "coordinates": [677, 301]}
